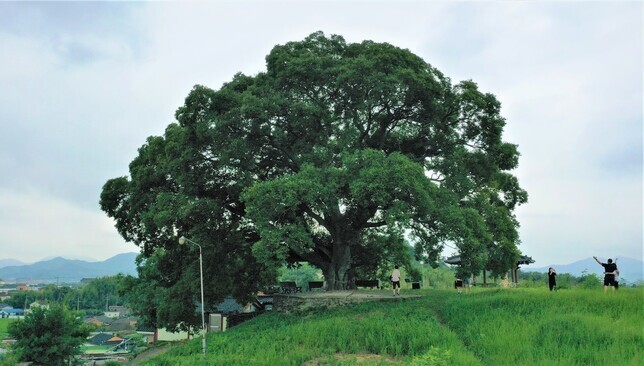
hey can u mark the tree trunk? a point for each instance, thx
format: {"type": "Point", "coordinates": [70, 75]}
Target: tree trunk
{"type": "Point", "coordinates": [337, 273]}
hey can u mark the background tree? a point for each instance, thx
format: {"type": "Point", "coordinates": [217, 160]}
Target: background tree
{"type": "Point", "coordinates": [333, 156]}
{"type": "Point", "coordinates": [48, 336]}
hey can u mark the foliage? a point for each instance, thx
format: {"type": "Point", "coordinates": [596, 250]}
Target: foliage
{"type": "Point", "coordinates": [486, 327]}
{"type": "Point", "coordinates": [301, 273]}
{"type": "Point", "coordinates": [333, 156]}
{"type": "Point", "coordinates": [97, 294]}
{"type": "Point", "coordinates": [8, 359]}
{"type": "Point", "coordinates": [20, 298]}
{"type": "Point", "coordinates": [4, 324]}
{"type": "Point", "coordinates": [441, 277]}
{"type": "Point", "coordinates": [153, 302]}
{"type": "Point", "coordinates": [589, 281]}
{"type": "Point", "coordinates": [564, 280]}
{"type": "Point", "coordinates": [433, 357]}
{"type": "Point", "coordinates": [48, 336]}
{"type": "Point", "coordinates": [91, 297]}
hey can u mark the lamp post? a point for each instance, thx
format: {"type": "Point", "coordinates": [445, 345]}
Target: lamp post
{"type": "Point", "coordinates": [183, 240]}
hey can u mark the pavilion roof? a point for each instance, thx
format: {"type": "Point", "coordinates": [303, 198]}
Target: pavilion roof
{"type": "Point", "coordinates": [456, 260]}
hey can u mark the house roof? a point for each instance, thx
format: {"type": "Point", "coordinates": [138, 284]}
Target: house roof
{"type": "Point", "coordinates": [100, 339]}
{"type": "Point", "coordinates": [13, 311]}
{"type": "Point", "coordinates": [456, 260]}
{"type": "Point", "coordinates": [100, 318]}
{"type": "Point", "coordinates": [229, 305]}
{"type": "Point", "coordinates": [123, 324]}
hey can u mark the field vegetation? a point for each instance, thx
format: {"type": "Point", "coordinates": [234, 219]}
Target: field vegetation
{"type": "Point", "coordinates": [4, 323]}
{"type": "Point", "coordinates": [486, 327]}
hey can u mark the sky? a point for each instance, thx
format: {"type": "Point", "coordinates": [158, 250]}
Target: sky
{"type": "Point", "coordinates": [83, 84]}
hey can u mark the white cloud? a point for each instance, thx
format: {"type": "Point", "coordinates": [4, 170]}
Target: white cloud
{"type": "Point", "coordinates": [85, 94]}
{"type": "Point", "coordinates": [36, 226]}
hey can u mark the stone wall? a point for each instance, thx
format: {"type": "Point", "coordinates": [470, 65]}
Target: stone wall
{"type": "Point", "coordinates": [288, 302]}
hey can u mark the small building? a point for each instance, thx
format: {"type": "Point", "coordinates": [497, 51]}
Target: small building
{"type": "Point", "coordinates": [111, 314]}
{"type": "Point", "coordinates": [23, 288]}
{"type": "Point", "coordinates": [149, 334]}
{"type": "Point", "coordinates": [123, 325]}
{"type": "Point", "coordinates": [11, 312]}
{"type": "Point", "coordinates": [121, 310]}
{"type": "Point", "coordinates": [231, 306]}
{"type": "Point", "coordinates": [105, 339]}
{"type": "Point", "coordinates": [99, 320]}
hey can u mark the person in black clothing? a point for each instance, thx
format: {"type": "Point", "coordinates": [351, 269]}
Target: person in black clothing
{"type": "Point", "coordinates": [609, 276]}
{"type": "Point", "coordinates": [458, 284]}
{"type": "Point", "coordinates": [552, 281]}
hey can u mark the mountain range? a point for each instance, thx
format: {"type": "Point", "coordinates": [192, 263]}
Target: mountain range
{"type": "Point", "coordinates": [630, 270]}
{"type": "Point", "coordinates": [10, 262]}
{"type": "Point", "coordinates": [68, 270]}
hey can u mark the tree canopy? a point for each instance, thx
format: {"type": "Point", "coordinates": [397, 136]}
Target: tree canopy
{"type": "Point", "coordinates": [49, 337]}
{"type": "Point", "coordinates": [337, 155]}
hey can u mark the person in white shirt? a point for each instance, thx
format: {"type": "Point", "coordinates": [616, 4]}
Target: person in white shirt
{"type": "Point", "coordinates": [395, 281]}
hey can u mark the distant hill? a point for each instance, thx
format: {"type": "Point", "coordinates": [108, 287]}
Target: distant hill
{"type": "Point", "coordinates": [11, 262]}
{"type": "Point", "coordinates": [68, 270]}
{"type": "Point", "coordinates": [631, 270]}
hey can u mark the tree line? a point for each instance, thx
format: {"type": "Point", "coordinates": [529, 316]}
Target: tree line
{"type": "Point", "coordinates": [92, 297]}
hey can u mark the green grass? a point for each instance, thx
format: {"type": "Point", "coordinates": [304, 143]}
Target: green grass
{"type": "Point", "coordinates": [4, 323]}
{"type": "Point", "coordinates": [95, 349]}
{"type": "Point", "coordinates": [487, 327]}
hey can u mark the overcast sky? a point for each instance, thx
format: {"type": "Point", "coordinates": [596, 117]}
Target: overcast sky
{"type": "Point", "coordinates": [83, 84]}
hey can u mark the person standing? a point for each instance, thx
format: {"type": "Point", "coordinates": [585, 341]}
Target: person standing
{"type": "Point", "coordinates": [395, 280]}
{"type": "Point", "coordinates": [467, 284]}
{"type": "Point", "coordinates": [609, 270]}
{"type": "Point", "coordinates": [552, 278]}
{"type": "Point", "coordinates": [616, 274]}
{"type": "Point", "coordinates": [458, 284]}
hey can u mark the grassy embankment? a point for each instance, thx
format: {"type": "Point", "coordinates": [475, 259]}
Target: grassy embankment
{"type": "Point", "coordinates": [487, 327]}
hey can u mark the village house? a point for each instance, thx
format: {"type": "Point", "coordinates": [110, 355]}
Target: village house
{"type": "Point", "coordinates": [121, 310]}
{"type": "Point", "coordinates": [99, 320]}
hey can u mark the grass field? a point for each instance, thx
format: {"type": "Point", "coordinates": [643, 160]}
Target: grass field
{"type": "Point", "coordinates": [487, 327]}
{"type": "Point", "coordinates": [4, 323]}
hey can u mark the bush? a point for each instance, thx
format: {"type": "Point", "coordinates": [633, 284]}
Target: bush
{"type": "Point", "coordinates": [433, 357]}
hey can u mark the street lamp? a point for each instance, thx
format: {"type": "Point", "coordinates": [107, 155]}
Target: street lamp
{"type": "Point", "coordinates": [183, 240]}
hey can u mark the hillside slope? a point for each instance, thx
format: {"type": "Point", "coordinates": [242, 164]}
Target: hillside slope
{"type": "Point", "coordinates": [487, 327]}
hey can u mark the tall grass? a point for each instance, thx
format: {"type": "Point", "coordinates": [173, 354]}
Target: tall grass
{"type": "Point", "coordinates": [487, 327]}
{"type": "Point", "coordinates": [538, 327]}
{"type": "Point", "coordinates": [394, 331]}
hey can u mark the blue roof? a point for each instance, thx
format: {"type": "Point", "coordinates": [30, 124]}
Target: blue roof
{"type": "Point", "coordinates": [13, 311]}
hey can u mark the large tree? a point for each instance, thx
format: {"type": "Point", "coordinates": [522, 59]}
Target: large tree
{"type": "Point", "coordinates": [336, 155]}
{"type": "Point", "coordinates": [49, 337]}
